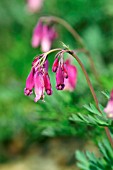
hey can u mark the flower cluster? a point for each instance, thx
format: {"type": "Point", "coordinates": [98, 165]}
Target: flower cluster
{"type": "Point", "coordinates": [109, 108]}
{"type": "Point", "coordinates": [66, 74]}
{"type": "Point", "coordinates": [43, 35]}
{"type": "Point", "coordinates": [38, 78]}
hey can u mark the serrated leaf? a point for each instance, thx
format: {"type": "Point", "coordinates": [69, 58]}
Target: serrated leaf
{"type": "Point", "coordinates": [90, 119]}
{"type": "Point", "coordinates": [91, 108]}
{"type": "Point", "coordinates": [65, 46]}
{"type": "Point", "coordinates": [106, 94]}
{"type": "Point", "coordinates": [88, 161]}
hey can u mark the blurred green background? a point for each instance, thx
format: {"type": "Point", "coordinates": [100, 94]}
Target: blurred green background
{"type": "Point", "coordinates": [23, 122]}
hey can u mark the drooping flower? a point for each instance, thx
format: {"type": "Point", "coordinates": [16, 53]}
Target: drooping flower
{"type": "Point", "coordinates": [59, 78]}
{"type": "Point", "coordinates": [34, 5]}
{"type": "Point", "coordinates": [64, 69]}
{"type": "Point", "coordinates": [46, 65]}
{"type": "Point", "coordinates": [43, 35]}
{"type": "Point", "coordinates": [109, 108]}
{"type": "Point", "coordinates": [46, 77]}
{"type": "Point", "coordinates": [47, 84]}
{"type": "Point", "coordinates": [66, 76]}
{"type": "Point", "coordinates": [37, 35]}
{"type": "Point", "coordinates": [55, 65]}
{"type": "Point", "coordinates": [29, 83]}
{"type": "Point", "coordinates": [46, 41]}
{"type": "Point", "coordinates": [38, 79]}
{"type": "Point", "coordinates": [70, 82]}
{"type": "Point", "coordinates": [38, 86]}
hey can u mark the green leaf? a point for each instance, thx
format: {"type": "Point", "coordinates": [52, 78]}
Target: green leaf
{"type": "Point", "coordinates": [88, 161]}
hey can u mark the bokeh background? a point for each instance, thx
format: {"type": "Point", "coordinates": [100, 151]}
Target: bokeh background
{"type": "Point", "coordinates": [36, 135]}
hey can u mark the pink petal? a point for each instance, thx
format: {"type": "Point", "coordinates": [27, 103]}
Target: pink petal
{"type": "Point", "coordinates": [37, 35]}
{"type": "Point", "coordinates": [55, 65]}
{"type": "Point", "coordinates": [46, 65]}
{"type": "Point", "coordinates": [59, 79]}
{"type": "Point", "coordinates": [64, 69]}
{"type": "Point", "coordinates": [29, 83]}
{"type": "Point", "coordinates": [45, 41]}
{"type": "Point", "coordinates": [52, 33]}
{"type": "Point", "coordinates": [70, 83]}
{"type": "Point", "coordinates": [39, 86]}
{"type": "Point", "coordinates": [47, 84]}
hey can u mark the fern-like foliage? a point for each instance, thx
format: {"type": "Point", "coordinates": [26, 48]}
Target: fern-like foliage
{"type": "Point", "coordinates": [94, 117]}
{"type": "Point", "coordinates": [88, 161]}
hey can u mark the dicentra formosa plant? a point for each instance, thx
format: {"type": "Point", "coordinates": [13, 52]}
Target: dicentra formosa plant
{"type": "Point", "coordinates": [66, 73]}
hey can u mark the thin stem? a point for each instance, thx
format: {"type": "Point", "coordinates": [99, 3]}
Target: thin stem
{"type": "Point", "coordinates": [92, 92]}
{"type": "Point", "coordinates": [77, 37]}
{"type": "Point", "coordinates": [86, 76]}
{"type": "Point", "coordinates": [66, 25]}
{"type": "Point", "coordinates": [53, 50]}
{"type": "Point", "coordinates": [109, 136]}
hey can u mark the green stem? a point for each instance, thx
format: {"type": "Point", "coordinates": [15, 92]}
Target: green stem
{"type": "Point", "coordinates": [51, 51]}
{"type": "Point", "coordinates": [66, 25]}
{"type": "Point", "coordinates": [77, 38]}
{"type": "Point", "coordinates": [92, 91]}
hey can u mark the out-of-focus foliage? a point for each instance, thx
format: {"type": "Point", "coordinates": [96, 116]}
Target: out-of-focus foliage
{"type": "Point", "coordinates": [97, 118]}
{"type": "Point", "coordinates": [89, 161]}
{"type": "Point", "coordinates": [19, 115]}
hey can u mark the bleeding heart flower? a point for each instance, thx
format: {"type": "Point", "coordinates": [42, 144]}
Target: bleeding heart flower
{"type": "Point", "coordinates": [70, 82]}
{"type": "Point", "coordinates": [37, 35]}
{"type": "Point", "coordinates": [59, 78]}
{"type": "Point", "coordinates": [39, 86]}
{"type": "Point", "coordinates": [43, 35]}
{"type": "Point", "coordinates": [29, 83]}
{"type": "Point", "coordinates": [38, 79]}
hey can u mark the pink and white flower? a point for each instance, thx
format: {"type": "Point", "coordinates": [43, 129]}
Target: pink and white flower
{"type": "Point", "coordinates": [29, 83]}
{"type": "Point", "coordinates": [47, 84]}
{"type": "Point", "coordinates": [37, 35]}
{"type": "Point", "coordinates": [38, 86]}
{"type": "Point", "coordinates": [59, 78]}
{"type": "Point", "coordinates": [70, 82]}
{"type": "Point", "coordinates": [39, 80]}
{"type": "Point", "coordinates": [44, 36]}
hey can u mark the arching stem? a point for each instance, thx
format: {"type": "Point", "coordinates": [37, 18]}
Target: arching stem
{"type": "Point", "coordinates": [66, 25]}
{"type": "Point", "coordinates": [77, 38]}
{"type": "Point", "coordinates": [92, 91]}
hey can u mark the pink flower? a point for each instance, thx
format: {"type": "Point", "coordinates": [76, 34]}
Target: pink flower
{"type": "Point", "coordinates": [64, 69]}
{"type": "Point", "coordinates": [70, 82]}
{"type": "Point", "coordinates": [46, 41]}
{"type": "Point", "coordinates": [109, 108]}
{"type": "Point", "coordinates": [39, 86]}
{"type": "Point", "coordinates": [55, 65]}
{"type": "Point", "coordinates": [43, 35]}
{"type": "Point", "coordinates": [38, 79]}
{"type": "Point", "coordinates": [66, 76]}
{"type": "Point", "coordinates": [29, 83]}
{"type": "Point", "coordinates": [46, 65]}
{"type": "Point", "coordinates": [48, 36]}
{"type": "Point", "coordinates": [47, 84]}
{"type": "Point", "coordinates": [34, 5]}
{"type": "Point", "coordinates": [59, 78]}
{"type": "Point", "coordinates": [37, 35]}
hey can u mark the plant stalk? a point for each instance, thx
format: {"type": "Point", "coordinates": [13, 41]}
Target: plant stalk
{"type": "Point", "coordinates": [92, 91]}
{"type": "Point", "coordinates": [77, 38]}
